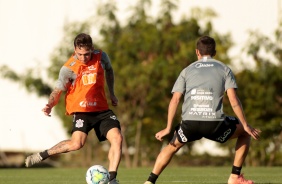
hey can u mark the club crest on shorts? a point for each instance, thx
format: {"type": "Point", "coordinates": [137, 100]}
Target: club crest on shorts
{"type": "Point", "coordinates": [79, 123]}
{"type": "Point", "coordinates": [113, 117]}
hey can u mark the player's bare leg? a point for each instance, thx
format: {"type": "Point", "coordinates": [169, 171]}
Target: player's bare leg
{"type": "Point", "coordinates": [241, 151]}
{"type": "Point", "coordinates": [164, 159]}
{"type": "Point", "coordinates": [165, 156]}
{"type": "Point", "coordinates": [115, 138]}
{"type": "Point", "coordinates": [76, 142]}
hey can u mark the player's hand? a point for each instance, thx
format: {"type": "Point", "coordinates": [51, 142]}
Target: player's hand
{"type": "Point", "coordinates": [114, 100]}
{"type": "Point", "coordinates": [161, 134]}
{"type": "Point", "coordinates": [47, 110]}
{"type": "Point", "coordinates": [255, 133]}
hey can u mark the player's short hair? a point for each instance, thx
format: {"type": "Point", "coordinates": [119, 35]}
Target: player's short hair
{"type": "Point", "coordinates": [206, 46]}
{"type": "Point", "coordinates": [83, 40]}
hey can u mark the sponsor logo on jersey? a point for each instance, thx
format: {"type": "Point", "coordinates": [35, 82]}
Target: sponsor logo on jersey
{"type": "Point", "coordinates": [193, 91]}
{"type": "Point", "coordinates": [87, 104]}
{"type": "Point", "coordinates": [79, 123]}
{"type": "Point", "coordinates": [197, 97]}
{"type": "Point", "coordinates": [202, 114]}
{"type": "Point", "coordinates": [201, 65]}
{"type": "Point", "coordinates": [201, 109]}
{"type": "Point", "coordinates": [201, 92]}
{"type": "Point", "coordinates": [206, 115]}
{"type": "Point", "coordinates": [92, 67]}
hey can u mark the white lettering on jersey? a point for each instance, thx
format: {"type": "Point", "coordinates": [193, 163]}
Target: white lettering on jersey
{"type": "Point", "coordinates": [196, 97]}
{"type": "Point", "coordinates": [85, 104]}
{"type": "Point", "coordinates": [200, 65]}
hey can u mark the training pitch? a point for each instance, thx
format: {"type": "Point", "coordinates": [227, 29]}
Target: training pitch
{"type": "Point", "coordinates": [183, 175]}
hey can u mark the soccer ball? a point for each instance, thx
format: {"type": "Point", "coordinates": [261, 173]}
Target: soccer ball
{"type": "Point", "coordinates": [97, 174]}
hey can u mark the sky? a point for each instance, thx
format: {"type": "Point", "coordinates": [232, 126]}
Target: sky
{"type": "Point", "coordinates": [31, 29]}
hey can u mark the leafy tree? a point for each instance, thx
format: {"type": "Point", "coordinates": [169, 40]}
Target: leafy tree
{"type": "Point", "coordinates": [263, 98]}
{"type": "Point", "coordinates": [260, 93]}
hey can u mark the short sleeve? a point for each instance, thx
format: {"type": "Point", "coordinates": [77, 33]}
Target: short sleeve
{"type": "Point", "coordinates": [65, 77]}
{"type": "Point", "coordinates": [230, 80]}
{"type": "Point", "coordinates": [180, 84]}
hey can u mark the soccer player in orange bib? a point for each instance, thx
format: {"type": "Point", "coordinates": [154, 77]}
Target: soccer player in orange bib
{"type": "Point", "coordinates": [83, 77]}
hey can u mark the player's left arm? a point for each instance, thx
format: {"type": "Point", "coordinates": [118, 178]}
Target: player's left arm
{"type": "Point", "coordinates": [238, 110]}
{"type": "Point", "coordinates": [110, 78]}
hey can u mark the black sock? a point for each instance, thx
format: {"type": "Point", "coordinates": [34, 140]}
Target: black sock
{"type": "Point", "coordinates": [153, 177]}
{"type": "Point", "coordinates": [236, 170]}
{"type": "Point", "coordinates": [113, 175]}
{"type": "Point", "coordinates": [44, 154]}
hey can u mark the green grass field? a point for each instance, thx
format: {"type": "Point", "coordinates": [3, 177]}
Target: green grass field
{"type": "Point", "coordinates": [185, 175]}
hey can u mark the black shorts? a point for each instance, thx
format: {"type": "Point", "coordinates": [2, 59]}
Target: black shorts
{"type": "Point", "coordinates": [101, 122]}
{"type": "Point", "coordinates": [219, 131]}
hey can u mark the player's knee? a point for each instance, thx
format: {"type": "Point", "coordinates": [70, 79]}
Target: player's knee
{"type": "Point", "coordinates": [120, 138]}
{"type": "Point", "coordinates": [115, 137]}
{"type": "Point", "coordinates": [173, 146]}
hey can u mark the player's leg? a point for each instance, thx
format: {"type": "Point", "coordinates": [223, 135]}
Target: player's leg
{"type": "Point", "coordinates": [166, 155]}
{"type": "Point", "coordinates": [186, 131]}
{"type": "Point", "coordinates": [115, 138]}
{"type": "Point", "coordinates": [231, 128]}
{"type": "Point", "coordinates": [163, 159]}
{"type": "Point", "coordinates": [76, 142]}
{"type": "Point", "coordinates": [108, 128]}
{"type": "Point", "coordinates": [242, 145]}
{"type": "Point", "coordinates": [241, 151]}
{"type": "Point", "coordinates": [79, 134]}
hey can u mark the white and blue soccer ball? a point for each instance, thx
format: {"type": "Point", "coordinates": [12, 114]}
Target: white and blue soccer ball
{"type": "Point", "coordinates": [97, 174]}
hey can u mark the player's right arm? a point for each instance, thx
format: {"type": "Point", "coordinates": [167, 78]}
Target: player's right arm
{"type": "Point", "coordinates": [63, 83]}
{"type": "Point", "coordinates": [172, 108]}
{"type": "Point", "coordinates": [53, 100]}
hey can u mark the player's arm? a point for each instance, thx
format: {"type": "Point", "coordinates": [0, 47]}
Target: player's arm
{"type": "Point", "coordinates": [238, 110]}
{"type": "Point", "coordinates": [53, 100]}
{"type": "Point", "coordinates": [172, 108]}
{"type": "Point", "coordinates": [62, 84]}
{"type": "Point", "coordinates": [54, 97]}
{"type": "Point", "coordinates": [236, 105]}
{"type": "Point", "coordinates": [110, 78]}
{"type": "Point", "coordinates": [110, 82]}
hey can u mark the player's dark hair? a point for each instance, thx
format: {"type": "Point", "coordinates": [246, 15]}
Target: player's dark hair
{"type": "Point", "coordinates": [83, 40]}
{"type": "Point", "coordinates": [206, 46]}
